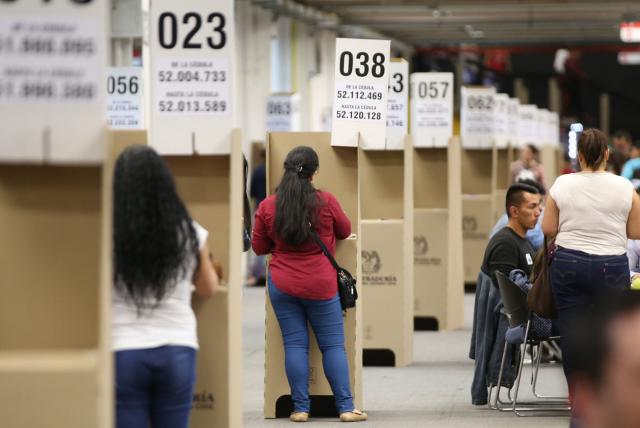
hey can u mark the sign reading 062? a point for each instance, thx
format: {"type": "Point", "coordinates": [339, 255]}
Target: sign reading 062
{"type": "Point", "coordinates": [192, 47]}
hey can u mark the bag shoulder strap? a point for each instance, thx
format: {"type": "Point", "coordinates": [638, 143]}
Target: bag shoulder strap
{"type": "Point", "coordinates": [324, 249]}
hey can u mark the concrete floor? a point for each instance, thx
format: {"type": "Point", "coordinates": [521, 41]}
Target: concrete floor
{"type": "Point", "coordinates": [433, 391]}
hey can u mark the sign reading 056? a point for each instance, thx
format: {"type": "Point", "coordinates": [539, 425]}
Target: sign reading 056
{"type": "Point", "coordinates": [170, 32]}
{"type": "Point", "coordinates": [375, 64]}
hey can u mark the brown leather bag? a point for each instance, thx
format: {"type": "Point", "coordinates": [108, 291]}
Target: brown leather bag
{"type": "Point", "coordinates": [540, 298]}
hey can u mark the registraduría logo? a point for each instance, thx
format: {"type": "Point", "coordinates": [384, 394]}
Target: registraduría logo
{"type": "Point", "coordinates": [371, 262]}
{"type": "Point", "coordinates": [420, 245]}
{"type": "Point", "coordinates": [373, 270]}
{"type": "Point", "coordinates": [204, 400]}
{"type": "Point", "coordinates": [421, 250]}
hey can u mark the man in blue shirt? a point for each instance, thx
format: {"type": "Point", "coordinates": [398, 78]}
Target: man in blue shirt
{"type": "Point", "coordinates": [535, 235]}
{"type": "Point", "coordinates": [632, 166]}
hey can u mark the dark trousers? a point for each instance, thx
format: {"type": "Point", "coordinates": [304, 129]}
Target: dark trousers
{"type": "Point", "coordinates": [578, 279]}
{"type": "Point", "coordinates": [154, 387]}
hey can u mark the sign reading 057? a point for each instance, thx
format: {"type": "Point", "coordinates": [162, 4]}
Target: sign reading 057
{"type": "Point", "coordinates": [364, 65]}
{"type": "Point", "coordinates": [433, 89]}
{"type": "Point", "coordinates": [184, 28]}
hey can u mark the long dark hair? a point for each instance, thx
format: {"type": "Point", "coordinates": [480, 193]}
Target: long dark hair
{"type": "Point", "coordinates": [153, 234]}
{"type": "Point", "coordinates": [297, 199]}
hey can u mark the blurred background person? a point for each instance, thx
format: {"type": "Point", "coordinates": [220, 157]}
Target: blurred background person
{"type": "Point", "coordinates": [528, 166]}
{"type": "Point", "coordinates": [605, 382]}
{"type": "Point", "coordinates": [302, 282]}
{"type": "Point", "coordinates": [621, 151]}
{"type": "Point", "coordinates": [159, 253]}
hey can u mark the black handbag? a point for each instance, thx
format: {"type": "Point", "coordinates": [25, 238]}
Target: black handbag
{"type": "Point", "coordinates": [346, 282]}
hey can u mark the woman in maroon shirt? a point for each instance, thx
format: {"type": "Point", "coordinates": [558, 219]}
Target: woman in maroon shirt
{"type": "Point", "coordinates": [302, 283]}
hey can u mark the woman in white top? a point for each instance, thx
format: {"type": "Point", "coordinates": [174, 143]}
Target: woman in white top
{"type": "Point", "coordinates": [159, 252]}
{"type": "Point", "coordinates": [591, 214]}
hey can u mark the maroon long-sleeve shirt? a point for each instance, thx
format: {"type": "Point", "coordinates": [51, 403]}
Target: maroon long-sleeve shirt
{"type": "Point", "coordinates": [302, 271]}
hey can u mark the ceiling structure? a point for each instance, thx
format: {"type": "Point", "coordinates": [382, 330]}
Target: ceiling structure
{"type": "Point", "coordinates": [424, 24]}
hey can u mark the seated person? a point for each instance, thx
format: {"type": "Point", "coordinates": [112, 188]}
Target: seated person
{"type": "Point", "coordinates": [509, 249]}
{"type": "Point", "coordinates": [535, 235]}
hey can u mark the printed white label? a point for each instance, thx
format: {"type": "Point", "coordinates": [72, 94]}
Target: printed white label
{"type": "Point", "coordinates": [431, 109]}
{"type": "Point", "coordinates": [283, 113]}
{"type": "Point", "coordinates": [477, 109]}
{"type": "Point", "coordinates": [360, 93]}
{"type": "Point", "coordinates": [397, 105]}
{"type": "Point", "coordinates": [124, 98]}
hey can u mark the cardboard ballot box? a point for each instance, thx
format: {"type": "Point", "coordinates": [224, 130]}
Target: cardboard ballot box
{"type": "Point", "coordinates": [338, 174]}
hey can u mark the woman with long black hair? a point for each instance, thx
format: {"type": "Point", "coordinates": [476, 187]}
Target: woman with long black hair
{"type": "Point", "coordinates": [159, 254]}
{"type": "Point", "coordinates": [302, 283]}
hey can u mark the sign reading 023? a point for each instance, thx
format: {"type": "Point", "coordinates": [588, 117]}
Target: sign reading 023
{"type": "Point", "coordinates": [169, 31]}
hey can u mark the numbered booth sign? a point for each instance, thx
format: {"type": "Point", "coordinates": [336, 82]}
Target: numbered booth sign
{"type": "Point", "coordinates": [360, 93]}
{"type": "Point", "coordinates": [512, 121]}
{"type": "Point", "coordinates": [526, 124]}
{"type": "Point", "coordinates": [397, 104]}
{"type": "Point", "coordinates": [192, 47]}
{"type": "Point", "coordinates": [283, 112]}
{"type": "Point", "coordinates": [53, 59]}
{"type": "Point", "coordinates": [431, 109]}
{"type": "Point", "coordinates": [124, 98]}
{"type": "Point", "coordinates": [501, 121]}
{"type": "Point", "coordinates": [477, 108]}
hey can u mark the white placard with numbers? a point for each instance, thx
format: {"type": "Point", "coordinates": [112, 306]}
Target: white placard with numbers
{"type": "Point", "coordinates": [124, 98]}
{"type": "Point", "coordinates": [512, 121]}
{"type": "Point", "coordinates": [360, 93]}
{"type": "Point", "coordinates": [398, 104]}
{"type": "Point", "coordinates": [431, 109]}
{"type": "Point", "coordinates": [53, 59]}
{"type": "Point", "coordinates": [192, 50]}
{"type": "Point", "coordinates": [554, 128]}
{"type": "Point", "coordinates": [526, 122]}
{"type": "Point", "coordinates": [477, 107]}
{"type": "Point", "coordinates": [501, 120]}
{"type": "Point", "coordinates": [283, 112]}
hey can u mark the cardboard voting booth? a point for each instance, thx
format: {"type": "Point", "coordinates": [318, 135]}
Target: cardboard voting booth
{"type": "Point", "coordinates": [338, 174]}
{"type": "Point", "coordinates": [477, 208]}
{"type": "Point", "coordinates": [386, 215]}
{"type": "Point", "coordinates": [549, 158]}
{"type": "Point", "coordinates": [437, 241]}
{"type": "Point", "coordinates": [211, 187]}
{"type": "Point", "coordinates": [55, 329]}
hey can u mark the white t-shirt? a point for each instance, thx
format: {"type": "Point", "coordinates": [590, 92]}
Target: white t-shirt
{"type": "Point", "coordinates": [594, 208]}
{"type": "Point", "coordinates": [172, 322]}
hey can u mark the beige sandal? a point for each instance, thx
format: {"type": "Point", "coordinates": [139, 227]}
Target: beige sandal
{"type": "Point", "coordinates": [353, 416]}
{"type": "Point", "coordinates": [299, 417]}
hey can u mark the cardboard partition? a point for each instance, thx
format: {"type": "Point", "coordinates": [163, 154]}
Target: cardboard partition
{"type": "Point", "coordinates": [476, 226]}
{"type": "Point", "coordinates": [211, 187]}
{"type": "Point", "coordinates": [501, 179]}
{"type": "Point", "coordinates": [55, 331]}
{"type": "Point", "coordinates": [549, 159]}
{"type": "Point", "coordinates": [338, 174]}
{"type": "Point", "coordinates": [386, 215]}
{"type": "Point", "coordinates": [477, 171]}
{"type": "Point", "coordinates": [438, 264]}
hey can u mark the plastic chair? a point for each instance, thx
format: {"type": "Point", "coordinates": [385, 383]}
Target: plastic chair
{"type": "Point", "coordinates": [517, 312]}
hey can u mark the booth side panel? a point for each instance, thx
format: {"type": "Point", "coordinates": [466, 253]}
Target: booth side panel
{"type": "Point", "coordinates": [455, 259]}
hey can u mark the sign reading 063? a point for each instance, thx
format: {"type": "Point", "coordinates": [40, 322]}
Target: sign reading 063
{"type": "Point", "coordinates": [192, 46]}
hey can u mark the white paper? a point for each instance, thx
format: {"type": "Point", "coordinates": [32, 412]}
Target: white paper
{"type": "Point", "coordinates": [398, 105]}
{"type": "Point", "coordinates": [124, 98]}
{"type": "Point", "coordinates": [431, 109]}
{"type": "Point", "coordinates": [477, 108]}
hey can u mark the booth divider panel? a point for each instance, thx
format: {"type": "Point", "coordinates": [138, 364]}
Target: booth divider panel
{"type": "Point", "coordinates": [476, 171]}
{"type": "Point", "coordinates": [204, 183]}
{"type": "Point", "coordinates": [430, 178]}
{"type": "Point", "coordinates": [381, 184]}
{"type": "Point", "coordinates": [51, 225]}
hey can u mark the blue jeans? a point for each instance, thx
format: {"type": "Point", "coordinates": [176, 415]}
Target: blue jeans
{"type": "Point", "coordinates": [154, 387]}
{"type": "Point", "coordinates": [577, 280]}
{"type": "Point", "coordinates": [325, 317]}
